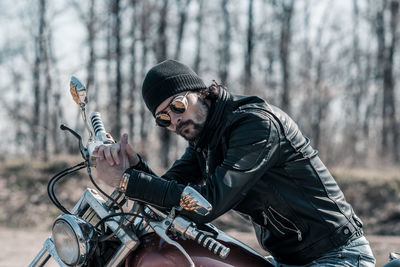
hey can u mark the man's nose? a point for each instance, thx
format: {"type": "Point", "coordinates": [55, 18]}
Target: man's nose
{"type": "Point", "coordinates": [175, 119]}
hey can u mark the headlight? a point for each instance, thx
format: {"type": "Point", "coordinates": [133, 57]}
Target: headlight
{"type": "Point", "coordinates": [74, 239]}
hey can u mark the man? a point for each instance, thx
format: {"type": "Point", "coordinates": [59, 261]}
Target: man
{"type": "Point", "coordinates": [246, 155]}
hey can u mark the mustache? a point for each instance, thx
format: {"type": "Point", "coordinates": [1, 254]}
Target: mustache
{"type": "Point", "coordinates": [183, 124]}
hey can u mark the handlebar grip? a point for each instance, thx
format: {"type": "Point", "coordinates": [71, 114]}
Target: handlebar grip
{"type": "Point", "coordinates": [99, 130]}
{"type": "Point", "coordinates": [212, 245]}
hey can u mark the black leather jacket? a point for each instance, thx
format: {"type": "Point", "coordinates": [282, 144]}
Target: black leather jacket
{"type": "Point", "coordinates": [252, 157]}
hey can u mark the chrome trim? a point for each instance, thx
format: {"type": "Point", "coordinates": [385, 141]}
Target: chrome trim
{"type": "Point", "coordinates": [47, 250]}
{"type": "Point", "coordinates": [193, 201]}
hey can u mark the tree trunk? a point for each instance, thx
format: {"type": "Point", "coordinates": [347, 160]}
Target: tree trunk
{"type": "Point", "coordinates": [199, 22]}
{"type": "Point", "coordinates": [132, 76]}
{"type": "Point", "coordinates": [355, 90]}
{"type": "Point", "coordinates": [225, 52]}
{"type": "Point", "coordinates": [183, 9]}
{"type": "Point", "coordinates": [389, 128]}
{"type": "Point", "coordinates": [380, 34]}
{"type": "Point", "coordinates": [144, 113]}
{"type": "Point", "coordinates": [91, 64]}
{"type": "Point", "coordinates": [284, 52]}
{"type": "Point", "coordinates": [118, 73]}
{"type": "Point", "coordinates": [248, 59]}
{"type": "Point", "coordinates": [39, 50]}
{"type": "Point", "coordinates": [46, 93]}
{"type": "Point", "coordinates": [165, 135]}
{"type": "Point", "coordinates": [19, 135]}
{"type": "Point", "coordinates": [161, 42]}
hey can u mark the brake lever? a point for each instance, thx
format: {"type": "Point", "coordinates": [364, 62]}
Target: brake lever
{"type": "Point", "coordinates": [82, 149]}
{"type": "Point", "coordinates": [162, 227]}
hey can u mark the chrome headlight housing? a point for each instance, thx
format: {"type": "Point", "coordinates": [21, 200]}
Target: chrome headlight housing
{"type": "Point", "coordinates": [74, 239]}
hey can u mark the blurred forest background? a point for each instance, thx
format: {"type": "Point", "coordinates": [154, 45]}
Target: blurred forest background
{"type": "Point", "coordinates": [332, 65]}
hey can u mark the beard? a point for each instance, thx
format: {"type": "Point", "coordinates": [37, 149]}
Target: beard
{"type": "Point", "coordinates": [190, 130]}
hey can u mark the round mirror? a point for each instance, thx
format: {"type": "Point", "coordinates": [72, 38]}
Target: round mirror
{"type": "Point", "coordinates": [78, 91]}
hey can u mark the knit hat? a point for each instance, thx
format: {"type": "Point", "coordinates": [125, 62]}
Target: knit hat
{"type": "Point", "coordinates": [166, 79]}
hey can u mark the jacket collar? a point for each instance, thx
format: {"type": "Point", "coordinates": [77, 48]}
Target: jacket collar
{"type": "Point", "coordinates": [214, 119]}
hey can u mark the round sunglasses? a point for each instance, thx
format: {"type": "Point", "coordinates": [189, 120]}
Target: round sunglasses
{"type": "Point", "coordinates": [178, 105]}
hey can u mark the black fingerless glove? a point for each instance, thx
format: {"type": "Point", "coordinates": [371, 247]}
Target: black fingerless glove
{"type": "Point", "coordinates": [153, 189]}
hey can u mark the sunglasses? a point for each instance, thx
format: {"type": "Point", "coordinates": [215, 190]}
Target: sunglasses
{"type": "Point", "coordinates": [178, 105]}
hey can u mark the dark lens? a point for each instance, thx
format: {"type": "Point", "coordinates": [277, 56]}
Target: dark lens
{"type": "Point", "coordinates": [163, 120]}
{"type": "Point", "coordinates": [178, 106]}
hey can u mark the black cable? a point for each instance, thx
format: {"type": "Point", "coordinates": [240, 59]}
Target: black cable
{"type": "Point", "coordinates": [55, 179]}
{"type": "Point", "coordinates": [99, 189]}
{"type": "Point", "coordinates": [103, 220]}
{"type": "Point", "coordinates": [102, 239]}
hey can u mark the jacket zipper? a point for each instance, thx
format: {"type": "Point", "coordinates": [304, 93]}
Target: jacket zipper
{"type": "Point", "coordinates": [266, 219]}
{"type": "Point", "coordinates": [296, 229]}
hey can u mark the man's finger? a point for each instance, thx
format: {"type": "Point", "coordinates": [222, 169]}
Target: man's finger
{"type": "Point", "coordinates": [101, 153]}
{"type": "Point", "coordinates": [124, 143]}
{"type": "Point", "coordinates": [114, 154]}
{"type": "Point", "coordinates": [108, 156]}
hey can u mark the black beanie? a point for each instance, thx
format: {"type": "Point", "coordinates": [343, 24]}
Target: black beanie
{"type": "Point", "coordinates": [166, 79]}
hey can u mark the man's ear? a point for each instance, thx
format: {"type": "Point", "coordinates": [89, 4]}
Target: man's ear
{"type": "Point", "coordinates": [203, 93]}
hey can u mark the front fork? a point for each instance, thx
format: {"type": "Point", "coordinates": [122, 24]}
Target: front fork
{"type": "Point", "coordinates": [48, 250]}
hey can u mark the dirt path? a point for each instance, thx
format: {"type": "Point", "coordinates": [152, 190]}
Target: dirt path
{"type": "Point", "coordinates": [19, 246]}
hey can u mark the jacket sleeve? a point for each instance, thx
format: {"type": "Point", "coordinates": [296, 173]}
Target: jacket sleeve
{"type": "Point", "coordinates": [252, 149]}
{"type": "Point", "coordinates": [142, 166]}
{"type": "Point", "coordinates": [186, 169]}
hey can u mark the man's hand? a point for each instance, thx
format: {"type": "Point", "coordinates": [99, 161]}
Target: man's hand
{"type": "Point", "coordinates": [111, 153]}
{"type": "Point", "coordinates": [113, 160]}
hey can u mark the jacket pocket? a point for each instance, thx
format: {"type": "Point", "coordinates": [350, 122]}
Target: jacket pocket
{"type": "Point", "coordinates": [280, 224]}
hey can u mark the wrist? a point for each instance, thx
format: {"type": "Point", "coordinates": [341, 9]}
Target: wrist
{"type": "Point", "coordinates": [137, 161]}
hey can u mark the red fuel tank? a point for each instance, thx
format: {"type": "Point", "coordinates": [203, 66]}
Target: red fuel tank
{"type": "Point", "coordinates": [155, 252]}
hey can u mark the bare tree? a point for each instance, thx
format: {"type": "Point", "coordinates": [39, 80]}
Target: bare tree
{"type": "Point", "coordinates": [270, 44]}
{"type": "Point", "coordinates": [355, 90]}
{"type": "Point", "coordinates": [287, 8]}
{"type": "Point", "coordinates": [305, 69]}
{"type": "Point", "coordinates": [144, 37]}
{"type": "Point", "coordinates": [320, 95]}
{"type": "Point", "coordinates": [118, 72]}
{"type": "Point", "coordinates": [160, 45]}
{"type": "Point", "coordinates": [248, 58]}
{"type": "Point", "coordinates": [132, 74]}
{"type": "Point", "coordinates": [47, 92]}
{"type": "Point", "coordinates": [225, 49]}
{"type": "Point", "coordinates": [161, 54]}
{"type": "Point", "coordinates": [385, 58]}
{"type": "Point", "coordinates": [39, 51]}
{"type": "Point", "coordinates": [199, 22]}
{"type": "Point", "coordinates": [113, 68]}
{"type": "Point", "coordinates": [89, 19]}
{"type": "Point", "coordinates": [389, 98]}
{"type": "Point", "coordinates": [182, 10]}
{"type": "Point", "coordinates": [19, 134]}
{"type": "Point", "coordinates": [91, 64]}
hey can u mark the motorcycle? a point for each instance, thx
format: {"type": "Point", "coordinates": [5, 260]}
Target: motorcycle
{"type": "Point", "coordinates": [98, 232]}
